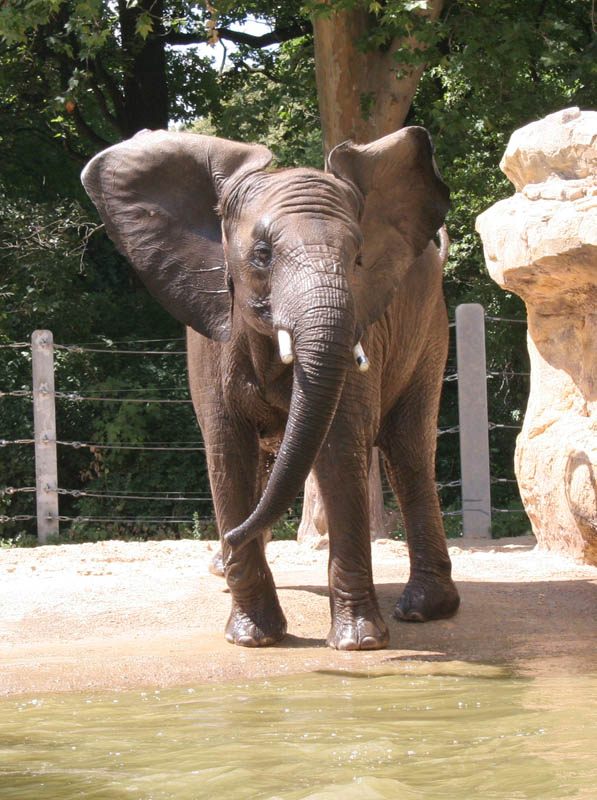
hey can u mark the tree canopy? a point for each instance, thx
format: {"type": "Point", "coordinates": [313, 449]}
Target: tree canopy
{"type": "Point", "coordinates": [77, 75]}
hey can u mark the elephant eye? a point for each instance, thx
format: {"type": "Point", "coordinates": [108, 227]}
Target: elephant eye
{"type": "Point", "coordinates": [262, 254]}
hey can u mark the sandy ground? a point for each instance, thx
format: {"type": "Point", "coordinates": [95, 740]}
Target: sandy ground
{"type": "Point", "coordinates": [118, 615]}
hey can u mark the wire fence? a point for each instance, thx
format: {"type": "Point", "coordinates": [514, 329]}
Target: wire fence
{"type": "Point", "coordinates": [198, 508]}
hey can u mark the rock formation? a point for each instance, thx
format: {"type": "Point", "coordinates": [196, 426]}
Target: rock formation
{"type": "Point", "coordinates": [542, 244]}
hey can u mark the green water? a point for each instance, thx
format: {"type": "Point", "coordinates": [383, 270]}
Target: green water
{"type": "Point", "coordinates": [418, 734]}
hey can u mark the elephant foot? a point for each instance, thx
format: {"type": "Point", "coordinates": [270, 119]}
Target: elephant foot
{"type": "Point", "coordinates": [358, 629]}
{"type": "Point", "coordinates": [426, 598]}
{"type": "Point", "coordinates": [258, 628]}
{"type": "Point", "coordinates": [216, 565]}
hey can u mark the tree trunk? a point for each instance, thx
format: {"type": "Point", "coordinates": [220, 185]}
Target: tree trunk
{"type": "Point", "coordinates": [360, 98]}
{"type": "Point", "coordinates": [145, 101]}
{"type": "Point", "coordinates": [360, 95]}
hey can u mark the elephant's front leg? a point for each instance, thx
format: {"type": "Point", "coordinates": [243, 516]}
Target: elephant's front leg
{"type": "Point", "coordinates": [256, 618]}
{"type": "Point", "coordinates": [342, 470]}
{"type": "Point", "coordinates": [216, 565]}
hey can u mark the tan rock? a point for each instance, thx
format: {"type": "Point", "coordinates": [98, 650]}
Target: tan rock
{"type": "Point", "coordinates": [542, 244]}
{"type": "Point", "coordinates": [562, 145]}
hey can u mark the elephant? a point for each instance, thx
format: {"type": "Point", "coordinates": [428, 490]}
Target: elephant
{"type": "Point", "coordinates": [316, 330]}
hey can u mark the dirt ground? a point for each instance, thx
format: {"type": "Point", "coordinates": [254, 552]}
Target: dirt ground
{"type": "Point", "coordinates": [117, 615]}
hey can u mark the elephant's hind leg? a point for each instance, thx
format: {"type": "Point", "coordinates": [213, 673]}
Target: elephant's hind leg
{"type": "Point", "coordinates": [408, 441]}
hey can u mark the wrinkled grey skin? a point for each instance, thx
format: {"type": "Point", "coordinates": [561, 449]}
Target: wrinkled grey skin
{"type": "Point", "coordinates": [236, 253]}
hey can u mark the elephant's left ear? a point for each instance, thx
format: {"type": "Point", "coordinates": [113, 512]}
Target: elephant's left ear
{"type": "Point", "coordinates": [157, 194]}
{"type": "Point", "coordinates": [406, 202]}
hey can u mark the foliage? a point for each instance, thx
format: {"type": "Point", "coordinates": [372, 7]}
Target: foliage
{"type": "Point", "coordinates": [96, 71]}
{"type": "Point", "coordinates": [278, 106]}
{"type": "Point", "coordinates": [48, 281]}
{"type": "Point", "coordinates": [496, 67]}
{"type": "Point", "coordinates": [39, 264]}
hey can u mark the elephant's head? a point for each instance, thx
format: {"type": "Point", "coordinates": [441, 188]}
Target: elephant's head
{"type": "Point", "coordinates": [310, 256]}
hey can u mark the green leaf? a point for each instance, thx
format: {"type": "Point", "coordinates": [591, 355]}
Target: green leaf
{"type": "Point", "coordinates": [144, 25]}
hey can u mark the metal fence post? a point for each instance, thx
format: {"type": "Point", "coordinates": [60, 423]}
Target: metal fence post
{"type": "Point", "coordinates": [44, 420]}
{"type": "Point", "coordinates": [473, 420]}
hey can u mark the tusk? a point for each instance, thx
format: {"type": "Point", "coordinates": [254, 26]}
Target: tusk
{"type": "Point", "coordinates": [285, 346]}
{"type": "Point", "coordinates": [360, 357]}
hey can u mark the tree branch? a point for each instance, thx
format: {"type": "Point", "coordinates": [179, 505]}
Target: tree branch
{"type": "Point", "coordinates": [87, 130]}
{"type": "Point", "coordinates": [114, 92]}
{"type": "Point", "coordinates": [102, 103]}
{"type": "Point", "coordinates": [64, 142]}
{"type": "Point", "coordinates": [277, 36]}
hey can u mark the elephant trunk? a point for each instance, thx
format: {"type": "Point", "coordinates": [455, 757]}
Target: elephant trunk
{"type": "Point", "coordinates": [322, 340]}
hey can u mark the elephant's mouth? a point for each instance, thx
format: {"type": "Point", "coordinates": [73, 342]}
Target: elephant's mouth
{"type": "Point", "coordinates": [261, 311]}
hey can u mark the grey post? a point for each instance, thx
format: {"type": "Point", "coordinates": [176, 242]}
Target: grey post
{"type": "Point", "coordinates": [473, 420]}
{"type": "Point", "coordinates": [44, 419]}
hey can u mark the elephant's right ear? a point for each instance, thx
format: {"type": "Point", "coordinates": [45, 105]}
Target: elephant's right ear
{"type": "Point", "coordinates": [157, 194]}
